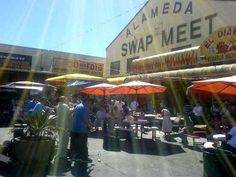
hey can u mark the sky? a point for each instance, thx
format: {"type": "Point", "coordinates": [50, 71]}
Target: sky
{"type": "Point", "coordinates": [75, 26]}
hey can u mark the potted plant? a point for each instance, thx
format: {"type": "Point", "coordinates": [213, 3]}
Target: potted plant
{"type": "Point", "coordinates": [39, 141]}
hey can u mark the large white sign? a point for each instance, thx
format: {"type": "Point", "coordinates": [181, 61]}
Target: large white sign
{"type": "Point", "coordinates": [170, 25]}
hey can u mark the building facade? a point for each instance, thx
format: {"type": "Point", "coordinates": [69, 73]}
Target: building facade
{"type": "Point", "coordinates": [23, 63]}
{"type": "Point", "coordinates": [163, 27]}
{"type": "Point", "coordinates": [173, 42]}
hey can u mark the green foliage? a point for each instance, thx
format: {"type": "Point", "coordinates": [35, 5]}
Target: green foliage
{"type": "Point", "coordinates": [39, 125]}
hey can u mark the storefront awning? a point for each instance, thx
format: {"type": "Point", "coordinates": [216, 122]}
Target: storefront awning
{"type": "Point", "coordinates": [166, 61]}
{"type": "Point", "coordinates": [198, 73]}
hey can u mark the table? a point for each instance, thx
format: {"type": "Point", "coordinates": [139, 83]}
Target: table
{"type": "Point", "coordinates": [171, 118]}
{"type": "Point", "coordinates": [150, 116]}
{"type": "Point", "coordinates": [219, 137]}
{"type": "Point", "coordinates": [142, 123]}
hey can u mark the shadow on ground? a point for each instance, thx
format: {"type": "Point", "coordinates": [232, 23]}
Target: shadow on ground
{"type": "Point", "coordinates": [77, 169]}
{"type": "Point", "coordinates": [41, 170]}
{"type": "Point", "coordinates": [96, 134]}
{"type": "Point", "coordinates": [138, 146]}
{"type": "Point", "coordinates": [148, 146]}
{"type": "Point", "coordinates": [196, 147]}
{"type": "Point", "coordinates": [18, 170]}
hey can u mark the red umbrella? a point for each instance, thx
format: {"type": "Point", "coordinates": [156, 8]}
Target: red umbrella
{"type": "Point", "coordinates": [224, 85]}
{"type": "Point", "coordinates": [98, 89]}
{"type": "Point", "coordinates": [137, 87]}
{"type": "Point", "coordinates": [190, 91]}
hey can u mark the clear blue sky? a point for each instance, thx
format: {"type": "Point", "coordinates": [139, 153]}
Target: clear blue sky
{"type": "Point", "coordinates": [76, 26]}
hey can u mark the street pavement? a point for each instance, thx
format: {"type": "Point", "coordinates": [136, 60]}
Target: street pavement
{"type": "Point", "coordinates": [141, 157]}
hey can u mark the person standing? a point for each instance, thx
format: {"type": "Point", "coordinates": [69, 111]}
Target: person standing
{"type": "Point", "coordinates": [117, 115]}
{"type": "Point", "coordinates": [119, 104]}
{"type": "Point", "coordinates": [214, 110]}
{"type": "Point", "coordinates": [198, 114]}
{"type": "Point", "coordinates": [63, 123]}
{"type": "Point", "coordinates": [40, 106]}
{"type": "Point", "coordinates": [29, 104]}
{"type": "Point", "coordinates": [129, 119]}
{"type": "Point", "coordinates": [79, 131]}
{"type": "Point", "coordinates": [166, 123]}
{"type": "Point", "coordinates": [110, 122]}
{"type": "Point", "coordinates": [230, 145]}
{"type": "Point", "coordinates": [100, 117]}
{"type": "Point", "coordinates": [134, 105]}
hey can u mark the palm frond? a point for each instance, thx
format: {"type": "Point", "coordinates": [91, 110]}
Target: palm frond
{"type": "Point", "coordinates": [39, 125]}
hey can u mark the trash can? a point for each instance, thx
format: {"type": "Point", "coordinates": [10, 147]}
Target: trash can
{"type": "Point", "coordinates": [211, 164]}
{"type": "Point", "coordinates": [227, 161]}
{"type": "Point", "coordinates": [111, 143]}
{"type": "Point", "coordinates": [217, 162]}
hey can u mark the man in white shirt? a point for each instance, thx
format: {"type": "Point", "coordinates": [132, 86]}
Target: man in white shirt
{"type": "Point", "coordinates": [63, 122]}
{"type": "Point", "coordinates": [119, 104]}
{"type": "Point", "coordinates": [198, 114]}
{"type": "Point", "coordinates": [134, 105]}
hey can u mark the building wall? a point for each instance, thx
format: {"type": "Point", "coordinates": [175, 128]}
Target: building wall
{"type": "Point", "coordinates": [14, 59]}
{"type": "Point", "coordinates": [167, 25]}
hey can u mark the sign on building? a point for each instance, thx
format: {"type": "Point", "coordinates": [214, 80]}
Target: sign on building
{"type": "Point", "coordinates": [15, 61]}
{"type": "Point", "coordinates": [168, 61]}
{"type": "Point", "coordinates": [164, 26]}
{"type": "Point", "coordinates": [76, 66]}
{"type": "Point", "coordinates": [220, 45]}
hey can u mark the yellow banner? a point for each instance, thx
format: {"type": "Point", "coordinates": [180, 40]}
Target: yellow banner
{"type": "Point", "coordinates": [167, 61]}
{"type": "Point", "coordinates": [219, 46]}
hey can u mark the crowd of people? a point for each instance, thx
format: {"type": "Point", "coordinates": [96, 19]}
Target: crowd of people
{"type": "Point", "coordinates": [217, 116]}
{"type": "Point", "coordinates": [220, 118]}
{"type": "Point", "coordinates": [77, 116]}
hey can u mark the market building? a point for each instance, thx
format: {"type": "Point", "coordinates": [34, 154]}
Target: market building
{"type": "Point", "coordinates": [174, 43]}
{"type": "Point", "coordinates": [24, 63]}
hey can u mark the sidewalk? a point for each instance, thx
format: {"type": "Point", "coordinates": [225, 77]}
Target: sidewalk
{"type": "Point", "coordinates": [137, 158]}
{"type": "Point", "coordinates": [143, 158]}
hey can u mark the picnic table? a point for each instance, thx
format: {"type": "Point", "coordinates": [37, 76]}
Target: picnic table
{"type": "Point", "coordinates": [138, 123]}
{"type": "Point", "coordinates": [141, 123]}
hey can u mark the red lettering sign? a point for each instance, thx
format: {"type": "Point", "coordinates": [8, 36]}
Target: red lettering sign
{"type": "Point", "coordinates": [162, 63]}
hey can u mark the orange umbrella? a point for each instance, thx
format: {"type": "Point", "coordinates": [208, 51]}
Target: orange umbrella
{"type": "Point", "coordinates": [98, 89]}
{"type": "Point", "coordinates": [224, 85]}
{"type": "Point", "coordinates": [190, 91]}
{"type": "Point", "coordinates": [137, 87]}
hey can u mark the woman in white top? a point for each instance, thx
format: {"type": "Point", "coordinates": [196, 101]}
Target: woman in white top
{"type": "Point", "coordinates": [166, 123]}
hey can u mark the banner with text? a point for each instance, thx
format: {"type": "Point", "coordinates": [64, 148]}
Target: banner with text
{"type": "Point", "coordinates": [220, 45]}
{"type": "Point", "coordinates": [167, 61]}
{"type": "Point", "coordinates": [77, 66]}
{"type": "Point", "coordinates": [15, 61]}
